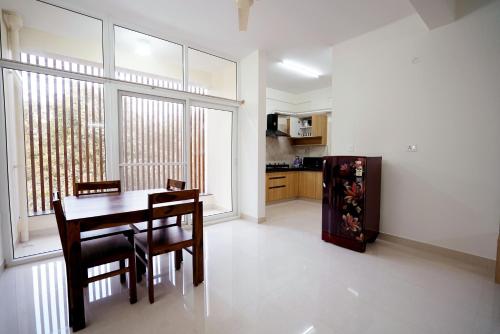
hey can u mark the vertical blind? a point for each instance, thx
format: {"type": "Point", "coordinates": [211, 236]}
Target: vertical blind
{"type": "Point", "coordinates": [64, 133]}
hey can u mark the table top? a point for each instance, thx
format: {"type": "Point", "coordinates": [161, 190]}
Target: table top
{"type": "Point", "coordinates": [101, 205]}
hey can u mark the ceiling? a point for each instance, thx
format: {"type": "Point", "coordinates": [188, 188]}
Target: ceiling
{"type": "Point", "coordinates": [300, 30]}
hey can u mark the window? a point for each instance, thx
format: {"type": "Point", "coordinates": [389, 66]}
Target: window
{"type": "Point", "coordinates": [147, 60]}
{"type": "Point", "coordinates": [211, 158]}
{"type": "Point", "coordinates": [151, 141]}
{"type": "Point", "coordinates": [40, 29]}
{"type": "Point", "coordinates": [217, 75]}
{"type": "Point", "coordinates": [59, 132]}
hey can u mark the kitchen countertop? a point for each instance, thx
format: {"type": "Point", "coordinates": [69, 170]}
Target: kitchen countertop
{"type": "Point", "coordinates": [292, 169]}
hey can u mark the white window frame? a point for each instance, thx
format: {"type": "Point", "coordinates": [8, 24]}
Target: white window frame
{"type": "Point", "coordinates": [112, 89]}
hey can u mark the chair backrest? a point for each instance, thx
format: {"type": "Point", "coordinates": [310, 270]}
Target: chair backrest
{"type": "Point", "coordinates": [61, 222]}
{"type": "Point", "coordinates": [98, 187]}
{"type": "Point", "coordinates": [175, 184]}
{"type": "Point", "coordinates": [188, 204]}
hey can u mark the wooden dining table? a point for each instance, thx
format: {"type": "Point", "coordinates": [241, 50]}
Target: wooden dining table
{"type": "Point", "coordinates": [92, 212]}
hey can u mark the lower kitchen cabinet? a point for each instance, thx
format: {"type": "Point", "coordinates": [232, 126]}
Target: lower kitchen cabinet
{"type": "Point", "coordinates": [307, 187]}
{"type": "Point", "coordinates": [318, 191]}
{"type": "Point", "coordinates": [280, 186]}
{"type": "Point", "coordinates": [290, 185]}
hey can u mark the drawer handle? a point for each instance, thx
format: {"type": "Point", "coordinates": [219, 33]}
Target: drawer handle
{"type": "Point", "coordinates": [277, 187]}
{"type": "Point", "coordinates": [277, 177]}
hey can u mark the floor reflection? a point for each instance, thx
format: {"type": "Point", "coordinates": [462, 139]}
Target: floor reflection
{"type": "Point", "coordinates": [102, 288]}
{"type": "Point", "coordinates": [50, 303]}
{"type": "Point", "coordinates": [49, 297]}
{"type": "Point", "coordinates": [277, 277]}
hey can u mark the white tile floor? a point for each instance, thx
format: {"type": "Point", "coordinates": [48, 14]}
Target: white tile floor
{"type": "Point", "coordinates": [277, 277]}
{"type": "Point", "coordinates": [38, 244]}
{"type": "Point", "coordinates": [48, 241]}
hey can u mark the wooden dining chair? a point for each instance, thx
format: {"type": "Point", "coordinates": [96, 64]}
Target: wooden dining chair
{"type": "Point", "coordinates": [96, 252]}
{"type": "Point", "coordinates": [172, 185]}
{"type": "Point", "coordinates": [96, 187]}
{"type": "Point", "coordinates": [102, 187]}
{"type": "Point", "coordinates": [164, 240]}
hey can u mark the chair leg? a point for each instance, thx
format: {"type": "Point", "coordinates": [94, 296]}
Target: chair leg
{"type": "Point", "coordinates": [178, 253]}
{"type": "Point", "coordinates": [132, 284]}
{"type": "Point", "coordinates": [123, 277]}
{"type": "Point", "coordinates": [86, 277]}
{"type": "Point", "coordinates": [178, 259]}
{"type": "Point", "coordinates": [195, 271]}
{"type": "Point", "coordinates": [141, 269]}
{"type": "Point", "coordinates": [70, 302]}
{"type": "Point", "coordinates": [151, 291]}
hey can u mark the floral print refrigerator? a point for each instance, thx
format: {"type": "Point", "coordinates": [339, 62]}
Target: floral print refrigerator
{"type": "Point", "coordinates": [351, 200]}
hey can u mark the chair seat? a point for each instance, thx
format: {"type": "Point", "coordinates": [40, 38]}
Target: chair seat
{"type": "Point", "coordinates": [106, 232]}
{"type": "Point", "coordinates": [104, 250]}
{"type": "Point", "coordinates": [157, 223]}
{"type": "Point", "coordinates": [165, 239]}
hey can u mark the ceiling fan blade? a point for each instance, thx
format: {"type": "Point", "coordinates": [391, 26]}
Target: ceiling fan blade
{"type": "Point", "coordinates": [243, 13]}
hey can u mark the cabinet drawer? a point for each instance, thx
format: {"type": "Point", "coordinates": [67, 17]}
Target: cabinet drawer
{"type": "Point", "coordinates": [280, 186]}
{"type": "Point", "coordinates": [277, 181]}
{"type": "Point", "coordinates": [276, 193]}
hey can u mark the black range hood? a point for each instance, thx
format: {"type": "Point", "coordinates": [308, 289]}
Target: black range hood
{"type": "Point", "coordinates": [272, 127]}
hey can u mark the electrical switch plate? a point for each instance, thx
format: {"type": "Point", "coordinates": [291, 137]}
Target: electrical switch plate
{"type": "Point", "coordinates": [412, 148]}
{"type": "Point", "coordinates": [350, 148]}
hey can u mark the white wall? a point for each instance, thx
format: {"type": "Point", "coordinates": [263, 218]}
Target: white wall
{"type": "Point", "coordinates": [251, 136]}
{"type": "Point", "coordinates": [278, 100]}
{"type": "Point", "coordinates": [314, 100]}
{"type": "Point", "coordinates": [439, 89]}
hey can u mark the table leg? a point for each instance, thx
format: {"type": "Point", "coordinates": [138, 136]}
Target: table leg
{"type": "Point", "coordinates": [75, 286]}
{"type": "Point", "coordinates": [198, 270]}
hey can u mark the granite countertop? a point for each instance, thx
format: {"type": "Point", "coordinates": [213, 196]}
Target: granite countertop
{"type": "Point", "coordinates": [292, 169]}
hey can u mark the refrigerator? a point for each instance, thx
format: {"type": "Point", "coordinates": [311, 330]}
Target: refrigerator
{"type": "Point", "coordinates": [351, 200]}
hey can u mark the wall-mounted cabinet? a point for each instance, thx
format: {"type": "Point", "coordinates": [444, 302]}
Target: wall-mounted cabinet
{"type": "Point", "coordinates": [311, 130]}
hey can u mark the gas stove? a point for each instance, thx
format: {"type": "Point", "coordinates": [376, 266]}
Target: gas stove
{"type": "Point", "coordinates": [277, 165]}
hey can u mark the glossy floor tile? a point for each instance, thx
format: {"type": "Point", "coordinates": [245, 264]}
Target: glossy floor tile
{"type": "Point", "coordinates": [276, 277]}
{"type": "Point", "coordinates": [38, 244]}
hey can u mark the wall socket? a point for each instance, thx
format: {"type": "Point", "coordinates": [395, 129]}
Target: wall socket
{"type": "Point", "coordinates": [412, 148]}
{"type": "Point", "coordinates": [350, 148]}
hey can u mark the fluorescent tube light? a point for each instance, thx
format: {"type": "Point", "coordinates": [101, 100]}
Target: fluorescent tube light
{"type": "Point", "coordinates": [299, 68]}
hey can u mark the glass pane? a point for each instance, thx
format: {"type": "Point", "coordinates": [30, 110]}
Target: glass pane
{"type": "Point", "coordinates": [36, 28]}
{"type": "Point", "coordinates": [148, 60]}
{"type": "Point", "coordinates": [55, 134]}
{"type": "Point", "coordinates": [211, 158]}
{"type": "Point", "coordinates": [151, 142]}
{"type": "Point", "coordinates": [211, 75]}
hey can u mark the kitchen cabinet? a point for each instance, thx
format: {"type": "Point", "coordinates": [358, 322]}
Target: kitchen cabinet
{"type": "Point", "coordinates": [280, 186]}
{"type": "Point", "coordinates": [316, 133]}
{"type": "Point", "coordinates": [310, 185]}
{"type": "Point", "coordinates": [318, 190]}
{"type": "Point", "coordinates": [319, 127]}
{"type": "Point", "coordinates": [292, 184]}
{"type": "Point", "coordinates": [306, 184]}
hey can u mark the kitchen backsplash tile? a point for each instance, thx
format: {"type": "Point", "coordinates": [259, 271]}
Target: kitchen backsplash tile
{"type": "Point", "coordinates": [280, 149]}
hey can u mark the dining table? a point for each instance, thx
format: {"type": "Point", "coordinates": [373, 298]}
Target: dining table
{"type": "Point", "coordinates": [93, 212]}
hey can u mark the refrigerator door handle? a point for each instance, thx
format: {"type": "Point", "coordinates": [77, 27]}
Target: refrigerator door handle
{"type": "Point", "coordinates": [328, 176]}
